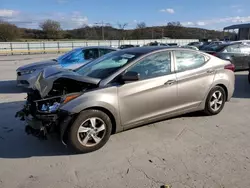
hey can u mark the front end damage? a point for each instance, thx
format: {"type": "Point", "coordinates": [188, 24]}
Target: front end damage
{"type": "Point", "coordinates": [42, 113]}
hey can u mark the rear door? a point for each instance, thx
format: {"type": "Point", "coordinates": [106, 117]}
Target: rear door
{"type": "Point", "coordinates": [194, 78]}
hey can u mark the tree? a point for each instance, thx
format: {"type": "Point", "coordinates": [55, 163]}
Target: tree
{"type": "Point", "coordinates": [51, 28]}
{"type": "Point", "coordinates": [141, 25]}
{"type": "Point", "coordinates": [139, 30]}
{"type": "Point", "coordinates": [8, 32]}
{"type": "Point", "coordinates": [122, 26]}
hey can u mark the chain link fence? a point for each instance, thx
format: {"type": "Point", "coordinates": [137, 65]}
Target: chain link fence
{"type": "Point", "coordinates": [11, 48]}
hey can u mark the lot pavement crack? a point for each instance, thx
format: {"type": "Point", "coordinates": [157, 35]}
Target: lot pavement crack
{"type": "Point", "coordinates": [145, 174]}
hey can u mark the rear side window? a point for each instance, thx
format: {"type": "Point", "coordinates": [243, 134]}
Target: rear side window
{"type": "Point", "coordinates": [105, 51]}
{"type": "Point", "coordinates": [188, 60]}
{"type": "Point", "coordinates": [245, 49]}
{"type": "Point", "coordinates": [232, 49]}
{"type": "Point", "coordinates": [90, 54]}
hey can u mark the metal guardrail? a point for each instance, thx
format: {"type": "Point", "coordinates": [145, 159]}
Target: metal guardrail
{"type": "Point", "coordinates": [11, 48]}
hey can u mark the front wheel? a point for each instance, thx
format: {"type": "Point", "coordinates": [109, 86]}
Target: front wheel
{"type": "Point", "coordinates": [249, 77]}
{"type": "Point", "coordinates": [90, 131]}
{"type": "Point", "coordinates": [215, 101]}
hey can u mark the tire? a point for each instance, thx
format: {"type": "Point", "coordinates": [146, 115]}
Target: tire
{"type": "Point", "coordinates": [76, 138]}
{"type": "Point", "coordinates": [210, 110]}
{"type": "Point", "coordinates": [249, 77]}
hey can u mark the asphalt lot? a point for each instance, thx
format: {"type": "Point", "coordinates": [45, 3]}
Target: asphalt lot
{"type": "Point", "coordinates": [189, 151]}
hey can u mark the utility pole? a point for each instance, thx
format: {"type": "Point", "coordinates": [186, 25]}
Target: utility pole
{"type": "Point", "coordinates": [162, 33]}
{"type": "Point", "coordinates": [102, 25]}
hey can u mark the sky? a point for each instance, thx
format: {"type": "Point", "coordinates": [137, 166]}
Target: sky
{"type": "Point", "coordinates": [209, 14]}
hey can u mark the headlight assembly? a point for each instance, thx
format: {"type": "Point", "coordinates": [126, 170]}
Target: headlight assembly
{"type": "Point", "coordinates": [27, 71]}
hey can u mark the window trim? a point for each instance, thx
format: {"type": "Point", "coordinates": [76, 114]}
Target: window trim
{"type": "Point", "coordinates": [207, 58]}
{"type": "Point", "coordinates": [139, 60]}
{"type": "Point", "coordinates": [123, 70]}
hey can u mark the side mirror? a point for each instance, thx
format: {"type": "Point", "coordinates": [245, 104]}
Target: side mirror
{"type": "Point", "coordinates": [130, 76]}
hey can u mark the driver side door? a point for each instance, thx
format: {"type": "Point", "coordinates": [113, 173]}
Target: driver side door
{"type": "Point", "coordinates": [154, 95]}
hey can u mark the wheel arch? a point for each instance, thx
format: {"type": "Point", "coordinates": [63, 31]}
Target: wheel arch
{"type": "Point", "coordinates": [115, 123]}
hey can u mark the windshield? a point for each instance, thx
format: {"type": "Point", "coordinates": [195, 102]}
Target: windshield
{"type": "Point", "coordinates": [68, 54]}
{"type": "Point", "coordinates": [108, 64]}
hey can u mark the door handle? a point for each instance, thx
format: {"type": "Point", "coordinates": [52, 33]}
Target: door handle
{"type": "Point", "coordinates": [210, 71]}
{"type": "Point", "coordinates": [170, 82]}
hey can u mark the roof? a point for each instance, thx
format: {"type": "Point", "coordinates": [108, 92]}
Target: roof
{"type": "Point", "coordinates": [238, 26]}
{"type": "Point", "coordinates": [145, 49]}
{"type": "Point", "coordinates": [98, 47]}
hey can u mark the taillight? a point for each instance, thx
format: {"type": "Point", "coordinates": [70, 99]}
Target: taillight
{"type": "Point", "coordinates": [230, 67]}
{"type": "Point", "coordinates": [213, 53]}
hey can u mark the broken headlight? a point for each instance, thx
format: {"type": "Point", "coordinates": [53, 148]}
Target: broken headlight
{"type": "Point", "coordinates": [52, 104]}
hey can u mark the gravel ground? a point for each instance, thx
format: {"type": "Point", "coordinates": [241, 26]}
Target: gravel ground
{"type": "Point", "coordinates": [188, 151]}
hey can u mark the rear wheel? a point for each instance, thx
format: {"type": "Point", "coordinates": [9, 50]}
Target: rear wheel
{"type": "Point", "coordinates": [90, 131]}
{"type": "Point", "coordinates": [215, 101]}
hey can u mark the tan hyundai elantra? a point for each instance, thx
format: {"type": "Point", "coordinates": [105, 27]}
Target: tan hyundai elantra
{"type": "Point", "coordinates": [126, 89]}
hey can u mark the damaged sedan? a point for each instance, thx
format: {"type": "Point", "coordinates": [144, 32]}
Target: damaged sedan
{"type": "Point", "coordinates": [122, 90]}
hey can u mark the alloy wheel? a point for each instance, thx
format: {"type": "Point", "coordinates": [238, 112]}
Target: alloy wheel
{"type": "Point", "coordinates": [216, 101]}
{"type": "Point", "coordinates": [91, 131]}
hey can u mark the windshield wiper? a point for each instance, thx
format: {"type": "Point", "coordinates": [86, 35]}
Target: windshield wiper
{"type": "Point", "coordinates": [54, 60]}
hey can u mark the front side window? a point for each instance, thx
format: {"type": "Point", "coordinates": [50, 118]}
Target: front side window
{"type": "Point", "coordinates": [188, 60]}
{"type": "Point", "coordinates": [72, 57]}
{"type": "Point", "coordinates": [152, 66]}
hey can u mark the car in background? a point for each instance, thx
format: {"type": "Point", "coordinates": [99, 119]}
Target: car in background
{"type": "Point", "coordinates": [124, 46]}
{"type": "Point", "coordinates": [155, 43]}
{"type": "Point", "coordinates": [245, 42]}
{"type": "Point", "coordinates": [237, 53]}
{"type": "Point", "coordinates": [197, 44]}
{"type": "Point", "coordinates": [125, 89]}
{"type": "Point", "coordinates": [190, 47]}
{"type": "Point", "coordinates": [209, 44]}
{"type": "Point", "coordinates": [172, 44]}
{"type": "Point", "coordinates": [73, 59]}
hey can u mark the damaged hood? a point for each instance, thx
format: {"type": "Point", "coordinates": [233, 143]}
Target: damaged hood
{"type": "Point", "coordinates": [47, 77]}
{"type": "Point", "coordinates": [38, 65]}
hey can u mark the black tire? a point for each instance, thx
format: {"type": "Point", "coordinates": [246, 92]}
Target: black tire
{"type": "Point", "coordinates": [83, 116]}
{"type": "Point", "coordinates": [249, 77]}
{"type": "Point", "coordinates": [208, 109]}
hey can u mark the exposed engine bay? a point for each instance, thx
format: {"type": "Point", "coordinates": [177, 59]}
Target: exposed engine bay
{"type": "Point", "coordinates": [41, 111]}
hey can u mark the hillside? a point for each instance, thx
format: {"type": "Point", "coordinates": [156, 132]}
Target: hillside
{"type": "Point", "coordinates": [110, 33]}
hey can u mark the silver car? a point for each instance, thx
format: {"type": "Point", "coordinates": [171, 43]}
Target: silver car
{"type": "Point", "coordinates": [26, 75]}
{"type": "Point", "coordinates": [126, 89]}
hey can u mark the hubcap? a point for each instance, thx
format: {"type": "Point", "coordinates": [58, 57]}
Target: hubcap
{"type": "Point", "coordinates": [216, 101]}
{"type": "Point", "coordinates": [91, 131]}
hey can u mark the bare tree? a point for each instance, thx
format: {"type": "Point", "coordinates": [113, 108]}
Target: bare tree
{"type": "Point", "coordinates": [8, 32]}
{"type": "Point", "coordinates": [141, 25]}
{"type": "Point", "coordinates": [139, 31]}
{"type": "Point", "coordinates": [51, 28]}
{"type": "Point", "coordinates": [122, 26]}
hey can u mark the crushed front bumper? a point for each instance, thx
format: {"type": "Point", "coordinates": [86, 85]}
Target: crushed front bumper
{"type": "Point", "coordinates": [45, 125]}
